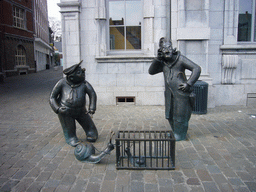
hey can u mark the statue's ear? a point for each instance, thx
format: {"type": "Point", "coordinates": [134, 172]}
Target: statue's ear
{"type": "Point", "coordinates": [161, 42]}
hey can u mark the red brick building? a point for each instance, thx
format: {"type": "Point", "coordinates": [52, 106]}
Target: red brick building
{"type": "Point", "coordinates": [16, 37]}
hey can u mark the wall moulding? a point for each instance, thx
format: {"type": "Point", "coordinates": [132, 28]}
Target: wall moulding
{"type": "Point", "coordinates": [229, 65]}
{"type": "Point", "coordinates": [124, 59]}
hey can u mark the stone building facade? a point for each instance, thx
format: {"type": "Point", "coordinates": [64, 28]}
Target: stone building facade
{"type": "Point", "coordinates": [117, 40]}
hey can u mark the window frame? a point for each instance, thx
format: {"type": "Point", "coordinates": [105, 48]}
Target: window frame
{"type": "Point", "coordinates": [17, 19]}
{"type": "Point", "coordinates": [124, 51]}
{"type": "Point", "coordinates": [20, 56]}
{"type": "Point", "coordinates": [253, 25]}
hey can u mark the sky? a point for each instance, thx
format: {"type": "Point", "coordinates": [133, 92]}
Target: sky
{"type": "Point", "coordinates": [53, 9]}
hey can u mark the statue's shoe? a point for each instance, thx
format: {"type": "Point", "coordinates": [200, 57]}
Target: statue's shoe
{"type": "Point", "coordinates": [92, 136]}
{"type": "Point", "coordinates": [180, 137]}
{"type": "Point", "coordinates": [74, 141]}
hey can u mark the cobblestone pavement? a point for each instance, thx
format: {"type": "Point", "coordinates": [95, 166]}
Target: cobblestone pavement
{"type": "Point", "coordinates": [220, 154]}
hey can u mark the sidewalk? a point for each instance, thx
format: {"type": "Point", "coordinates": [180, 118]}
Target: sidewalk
{"type": "Point", "coordinates": [220, 154]}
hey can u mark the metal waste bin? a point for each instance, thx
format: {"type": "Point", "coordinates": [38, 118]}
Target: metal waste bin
{"type": "Point", "coordinates": [201, 91]}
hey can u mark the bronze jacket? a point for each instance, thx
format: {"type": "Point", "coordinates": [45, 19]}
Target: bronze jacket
{"type": "Point", "coordinates": [174, 75]}
{"type": "Point", "coordinates": [72, 95]}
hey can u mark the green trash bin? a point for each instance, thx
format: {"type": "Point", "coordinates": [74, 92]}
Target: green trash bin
{"type": "Point", "coordinates": [200, 88]}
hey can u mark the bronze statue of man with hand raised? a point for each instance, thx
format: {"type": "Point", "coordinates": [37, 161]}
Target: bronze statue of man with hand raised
{"type": "Point", "coordinates": [178, 89]}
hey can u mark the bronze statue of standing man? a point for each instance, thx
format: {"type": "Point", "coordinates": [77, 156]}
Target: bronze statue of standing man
{"type": "Point", "coordinates": [179, 98]}
{"type": "Point", "coordinates": [68, 101]}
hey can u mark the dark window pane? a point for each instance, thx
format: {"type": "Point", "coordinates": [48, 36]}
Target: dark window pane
{"type": "Point", "coordinates": [116, 38]}
{"type": "Point", "coordinates": [133, 37]}
{"type": "Point", "coordinates": [245, 20]}
{"type": "Point", "coordinates": [116, 12]}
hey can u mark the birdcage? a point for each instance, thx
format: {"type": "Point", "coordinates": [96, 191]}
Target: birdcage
{"type": "Point", "coordinates": [154, 150]}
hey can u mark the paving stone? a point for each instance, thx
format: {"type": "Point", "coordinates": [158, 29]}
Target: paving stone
{"type": "Point", "coordinates": [213, 169]}
{"type": "Point", "coordinates": [84, 174]}
{"type": "Point", "coordinates": [9, 185]}
{"type": "Point", "coordinates": [63, 188]}
{"type": "Point", "coordinates": [180, 188]}
{"type": "Point", "coordinates": [79, 185]}
{"type": "Point", "coordinates": [51, 185]}
{"type": "Point", "coordinates": [210, 186]}
{"type": "Point", "coordinates": [108, 186]}
{"type": "Point", "coordinates": [189, 173]}
{"type": "Point", "coordinates": [2, 181]}
{"type": "Point", "coordinates": [228, 172]}
{"type": "Point", "coordinates": [193, 181]}
{"type": "Point", "coordinates": [44, 176]}
{"type": "Point", "coordinates": [196, 188]}
{"type": "Point", "coordinates": [136, 176]}
{"type": "Point", "coordinates": [226, 187]}
{"type": "Point", "coordinates": [151, 187]}
{"type": "Point", "coordinates": [137, 186]}
{"type": "Point", "coordinates": [96, 178]}
{"type": "Point", "coordinates": [245, 176]}
{"type": "Point", "coordinates": [163, 174]}
{"type": "Point", "coordinates": [68, 179]}
{"type": "Point", "coordinates": [244, 189]}
{"type": "Point", "coordinates": [23, 185]}
{"type": "Point", "coordinates": [19, 175]}
{"type": "Point", "coordinates": [150, 177]}
{"type": "Point", "coordinates": [235, 181]}
{"type": "Point", "coordinates": [165, 183]}
{"type": "Point", "coordinates": [58, 174]}
{"type": "Point", "coordinates": [219, 178]}
{"type": "Point", "coordinates": [36, 186]}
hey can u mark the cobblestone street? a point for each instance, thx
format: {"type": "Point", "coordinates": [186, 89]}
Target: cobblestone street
{"type": "Point", "coordinates": [219, 155]}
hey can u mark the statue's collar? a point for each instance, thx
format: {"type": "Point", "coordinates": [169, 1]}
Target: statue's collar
{"type": "Point", "coordinates": [171, 64]}
{"type": "Point", "coordinates": [74, 85]}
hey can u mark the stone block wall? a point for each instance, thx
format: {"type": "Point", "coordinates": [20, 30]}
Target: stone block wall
{"type": "Point", "coordinates": [125, 79]}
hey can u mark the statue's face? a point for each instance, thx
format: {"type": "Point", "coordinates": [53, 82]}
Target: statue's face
{"type": "Point", "coordinates": [77, 76]}
{"type": "Point", "coordinates": [167, 50]}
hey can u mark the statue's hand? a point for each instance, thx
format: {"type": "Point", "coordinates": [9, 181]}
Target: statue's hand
{"type": "Point", "coordinates": [62, 110]}
{"type": "Point", "coordinates": [184, 87]}
{"type": "Point", "coordinates": [160, 54]}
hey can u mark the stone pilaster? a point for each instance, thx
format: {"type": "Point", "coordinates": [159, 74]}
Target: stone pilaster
{"type": "Point", "coordinates": [70, 13]}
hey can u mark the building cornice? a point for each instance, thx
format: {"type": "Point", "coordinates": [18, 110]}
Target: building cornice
{"type": "Point", "coordinates": [40, 41]}
{"type": "Point", "coordinates": [69, 6]}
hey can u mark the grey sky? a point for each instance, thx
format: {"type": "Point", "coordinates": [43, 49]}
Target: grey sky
{"type": "Point", "coordinates": [53, 9]}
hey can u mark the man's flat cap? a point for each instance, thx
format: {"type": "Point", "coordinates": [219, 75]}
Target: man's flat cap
{"type": "Point", "coordinates": [71, 69]}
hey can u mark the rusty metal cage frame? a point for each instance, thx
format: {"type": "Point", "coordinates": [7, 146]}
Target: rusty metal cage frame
{"type": "Point", "coordinates": [153, 150]}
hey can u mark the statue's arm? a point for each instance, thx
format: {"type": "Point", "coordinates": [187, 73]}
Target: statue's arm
{"type": "Point", "coordinates": [54, 96]}
{"type": "Point", "coordinates": [92, 97]}
{"type": "Point", "coordinates": [155, 67]}
{"type": "Point", "coordinates": [194, 68]}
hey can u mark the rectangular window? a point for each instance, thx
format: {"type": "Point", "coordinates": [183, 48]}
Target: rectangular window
{"type": "Point", "coordinates": [246, 21]}
{"type": "Point", "coordinates": [19, 17]}
{"type": "Point", "coordinates": [20, 56]}
{"type": "Point", "coordinates": [125, 20]}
